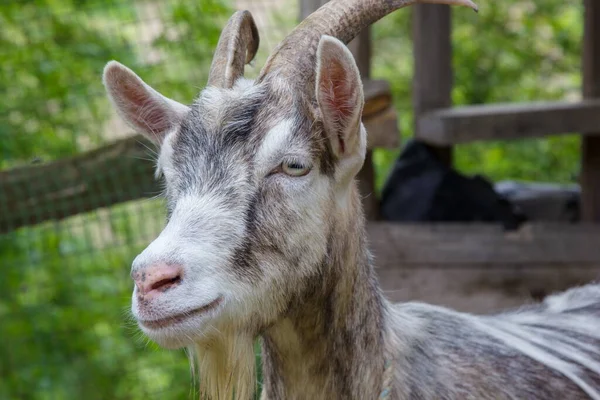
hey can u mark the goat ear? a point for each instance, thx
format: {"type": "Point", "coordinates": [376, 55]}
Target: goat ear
{"type": "Point", "coordinates": [339, 95]}
{"type": "Point", "coordinates": [142, 107]}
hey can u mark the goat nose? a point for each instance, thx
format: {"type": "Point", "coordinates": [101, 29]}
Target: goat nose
{"type": "Point", "coordinates": [158, 278]}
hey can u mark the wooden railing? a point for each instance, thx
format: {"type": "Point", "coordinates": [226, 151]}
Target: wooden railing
{"type": "Point", "coordinates": [110, 175]}
{"type": "Point", "coordinates": [442, 126]}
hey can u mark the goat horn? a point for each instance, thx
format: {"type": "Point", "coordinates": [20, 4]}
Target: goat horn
{"type": "Point", "coordinates": [237, 46]}
{"type": "Point", "coordinates": [294, 57]}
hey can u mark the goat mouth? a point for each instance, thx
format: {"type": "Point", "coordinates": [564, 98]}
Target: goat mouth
{"type": "Point", "coordinates": [177, 318]}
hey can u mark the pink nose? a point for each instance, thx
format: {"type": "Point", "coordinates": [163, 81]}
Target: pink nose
{"type": "Point", "coordinates": [156, 279]}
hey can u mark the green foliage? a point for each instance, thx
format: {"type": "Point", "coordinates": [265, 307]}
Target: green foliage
{"type": "Point", "coordinates": [187, 47]}
{"type": "Point", "coordinates": [511, 51]}
{"type": "Point", "coordinates": [50, 52]}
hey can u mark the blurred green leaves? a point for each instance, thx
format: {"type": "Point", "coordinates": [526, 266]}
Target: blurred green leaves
{"type": "Point", "coordinates": [51, 57]}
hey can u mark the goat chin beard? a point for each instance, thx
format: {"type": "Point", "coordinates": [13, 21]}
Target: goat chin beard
{"type": "Point", "coordinates": [226, 368]}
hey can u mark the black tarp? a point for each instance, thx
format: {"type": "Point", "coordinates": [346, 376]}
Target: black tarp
{"type": "Point", "coordinates": [422, 189]}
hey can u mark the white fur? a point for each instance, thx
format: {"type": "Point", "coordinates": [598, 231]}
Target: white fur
{"type": "Point", "coordinates": [193, 238]}
{"type": "Point", "coordinates": [275, 142]}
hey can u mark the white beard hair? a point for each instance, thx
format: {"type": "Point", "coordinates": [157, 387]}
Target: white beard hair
{"type": "Point", "coordinates": [226, 367]}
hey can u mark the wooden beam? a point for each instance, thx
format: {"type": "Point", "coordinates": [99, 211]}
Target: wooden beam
{"type": "Point", "coordinates": [361, 49]}
{"type": "Point", "coordinates": [481, 268]}
{"type": "Point", "coordinates": [472, 244]}
{"type": "Point", "coordinates": [432, 78]}
{"type": "Point", "coordinates": [591, 49]}
{"type": "Point", "coordinates": [379, 116]}
{"type": "Point", "coordinates": [378, 97]}
{"type": "Point", "coordinates": [590, 160]}
{"type": "Point", "coordinates": [479, 289]}
{"type": "Point", "coordinates": [507, 121]}
{"type": "Point", "coordinates": [590, 178]}
{"type": "Point", "coordinates": [382, 130]}
{"type": "Point", "coordinates": [110, 175]}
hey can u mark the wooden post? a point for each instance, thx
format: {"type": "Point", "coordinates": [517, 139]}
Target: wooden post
{"type": "Point", "coordinates": [432, 78]}
{"type": "Point", "coordinates": [590, 150]}
{"type": "Point", "coordinates": [361, 49]}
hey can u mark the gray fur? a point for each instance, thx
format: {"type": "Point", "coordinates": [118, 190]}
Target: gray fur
{"type": "Point", "coordinates": [532, 353]}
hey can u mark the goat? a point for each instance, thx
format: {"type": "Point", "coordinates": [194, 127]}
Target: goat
{"type": "Point", "coordinates": [265, 238]}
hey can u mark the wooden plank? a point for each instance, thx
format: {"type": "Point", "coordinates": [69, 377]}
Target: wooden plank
{"type": "Point", "coordinates": [590, 167]}
{"type": "Point", "coordinates": [465, 244]}
{"type": "Point", "coordinates": [507, 121]}
{"type": "Point", "coordinates": [379, 115]}
{"type": "Point", "coordinates": [117, 173]}
{"type": "Point", "coordinates": [481, 268]}
{"type": "Point", "coordinates": [590, 178]}
{"type": "Point", "coordinates": [382, 130]}
{"type": "Point", "coordinates": [432, 79]}
{"type": "Point", "coordinates": [360, 47]}
{"type": "Point", "coordinates": [479, 289]}
{"type": "Point", "coordinates": [378, 97]}
{"type": "Point", "coordinates": [366, 188]}
{"type": "Point", "coordinates": [591, 49]}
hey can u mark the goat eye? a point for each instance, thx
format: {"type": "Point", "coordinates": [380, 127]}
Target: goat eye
{"type": "Point", "coordinates": [294, 168]}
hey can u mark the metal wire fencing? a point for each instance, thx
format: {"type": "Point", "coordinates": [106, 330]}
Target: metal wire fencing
{"type": "Point", "coordinates": [76, 187]}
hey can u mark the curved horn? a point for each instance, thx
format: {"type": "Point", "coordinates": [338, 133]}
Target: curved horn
{"type": "Point", "coordinates": [294, 57]}
{"type": "Point", "coordinates": [237, 46]}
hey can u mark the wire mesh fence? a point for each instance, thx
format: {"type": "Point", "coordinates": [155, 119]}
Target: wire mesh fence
{"type": "Point", "coordinates": [72, 220]}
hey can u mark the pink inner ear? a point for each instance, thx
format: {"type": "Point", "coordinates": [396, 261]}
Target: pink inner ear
{"type": "Point", "coordinates": [338, 96]}
{"type": "Point", "coordinates": [143, 107]}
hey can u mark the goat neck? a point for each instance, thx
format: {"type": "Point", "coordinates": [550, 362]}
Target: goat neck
{"type": "Point", "coordinates": [336, 333]}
